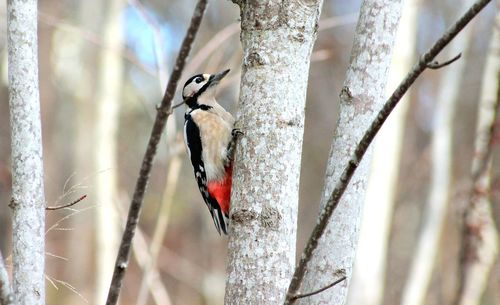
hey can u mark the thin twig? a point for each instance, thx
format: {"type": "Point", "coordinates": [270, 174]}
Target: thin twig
{"type": "Point", "coordinates": [59, 207]}
{"type": "Point", "coordinates": [437, 65]}
{"type": "Point", "coordinates": [163, 112]}
{"type": "Point", "coordinates": [178, 105]}
{"type": "Point", "coordinates": [368, 137]}
{"type": "Point", "coordinates": [48, 278]}
{"type": "Point", "coordinates": [55, 226]}
{"type": "Point", "coordinates": [305, 295]}
{"type": "Point", "coordinates": [56, 256]}
{"type": "Point", "coordinates": [6, 295]}
{"type": "Point", "coordinates": [72, 289]}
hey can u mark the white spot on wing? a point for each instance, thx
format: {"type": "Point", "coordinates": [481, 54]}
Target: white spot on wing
{"type": "Point", "coordinates": [216, 220]}
{"type": "Point", "coordinates": [186, 140]}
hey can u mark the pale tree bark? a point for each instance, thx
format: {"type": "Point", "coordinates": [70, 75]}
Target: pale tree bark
{"type": "Point", "coordinates": [366, 79]}
{"type": "Point", "coordinates": [368, 278]}
{"type": "Point", "coordinates": [441, 173]}
{"type": "Point", "coordinates": [277, 39]}
{"type": "Point", "coordinates": [480, 237]}
{"type": "Point", "coordinates": [108, 99]}
{"type": "Point", "coordinates": [6, 295]}
{"type": "Point", "coordinates": [28, 199]}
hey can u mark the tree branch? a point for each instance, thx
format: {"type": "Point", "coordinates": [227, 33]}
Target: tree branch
{"type": "Point", "coordinates": [437, 65]}
{"type": "Point", "coordinates": [368, 137]}
{"type": "Point", "coordinates": [6, 295]}
{"type": "Point", "coordinates": [163, 112]}
{"type": "Point", "coordinates": [178, 105]}
{"type": "Point", "coordinates": [59, 207]}
{"type": "Point", "coordinates": [305, 295]}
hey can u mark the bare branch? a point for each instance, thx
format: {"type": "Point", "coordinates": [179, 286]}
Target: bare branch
{"type": "Point", "coordinates": [6, 295]}
{"type": "Point", "coordinates": [305, 295]}
{"type": "Point", "coordinates": [368, 137]}
{"type": "Point", "coordinates": [437, 65]}
{"type": "Point", "coordinates": [163, 112]}
{"type": "Point", "coordinates": [59, 207]}
{"type": "Point", "coordinates": [55, 226]}
{"type": "Point", "coordinates": [72, 289]}
{"type": "Point", "coordinates": [178, 105]}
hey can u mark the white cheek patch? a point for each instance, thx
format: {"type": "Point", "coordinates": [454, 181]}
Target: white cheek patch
{"type": "Point", "coordinates": [192, 88]}
{"type": "Point", "coordinates": [189, 91]}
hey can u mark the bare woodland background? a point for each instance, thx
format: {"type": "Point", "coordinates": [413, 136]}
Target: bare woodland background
{"type": "Point", "coordinates": [89, 113]}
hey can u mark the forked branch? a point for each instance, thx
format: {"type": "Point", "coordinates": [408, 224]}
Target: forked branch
{"type": "Point", "coordinates": [368, 137]}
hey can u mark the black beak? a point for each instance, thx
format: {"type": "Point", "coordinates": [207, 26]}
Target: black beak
{"type": "Point", "coordinates": [215, 78]}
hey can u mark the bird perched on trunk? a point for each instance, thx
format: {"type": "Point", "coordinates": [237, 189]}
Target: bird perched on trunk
{"type": "Point", "coordinates": [210, 140]}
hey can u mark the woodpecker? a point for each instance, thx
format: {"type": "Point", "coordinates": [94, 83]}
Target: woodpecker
{"type": "Point", "coordinates": [210, 138]}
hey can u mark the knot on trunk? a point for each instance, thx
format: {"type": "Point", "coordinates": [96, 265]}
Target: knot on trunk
{"type": "Point", "coordinates": [269, 218]}
{"type": "Point", "coordinates": [243, 216]}
{"type": "Point", "coordinates": [254, 58]}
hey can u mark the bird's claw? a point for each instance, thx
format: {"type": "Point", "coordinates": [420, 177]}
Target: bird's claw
{"type": "Point", "coordinates": [236, 132]}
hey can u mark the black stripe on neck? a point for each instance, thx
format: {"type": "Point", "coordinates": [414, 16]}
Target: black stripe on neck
{"type": "Point", "coordinates": [196, 106]}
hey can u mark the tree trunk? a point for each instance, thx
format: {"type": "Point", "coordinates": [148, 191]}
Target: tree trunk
{"type": "Point", "coordinates": [441, 173]}
{"type": "Point", "coordinates": [28, 200]}
{"type": "Point", "coordinates": [480, 237]}
{"type": "Point", "coordinates": [277, 39]}
{"type": "Point", "coordinates": [108, 97]}
{"type": "Point", "coordinates": [366, 79]}
{"type": "Point", "coordinates": [368, 279]}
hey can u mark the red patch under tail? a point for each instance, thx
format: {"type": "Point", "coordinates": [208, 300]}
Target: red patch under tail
{"type": "Point", "coordinates": [221, 190]}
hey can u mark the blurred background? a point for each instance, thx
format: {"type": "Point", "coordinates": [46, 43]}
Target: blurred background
{"type": "Point", "coordinates": [103, 68]}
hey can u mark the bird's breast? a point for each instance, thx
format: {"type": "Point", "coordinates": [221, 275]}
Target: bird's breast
{"type": "Point", "coordinates": [215, 135]}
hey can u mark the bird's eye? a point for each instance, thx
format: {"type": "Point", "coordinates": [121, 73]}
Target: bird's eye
{"type": "Point", "coordinates": [199, 79]}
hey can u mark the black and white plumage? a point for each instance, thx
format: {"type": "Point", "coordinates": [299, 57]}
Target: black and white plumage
{"type": "Point", "coordinates": [209, 139]}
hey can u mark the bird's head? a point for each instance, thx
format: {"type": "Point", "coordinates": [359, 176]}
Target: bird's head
{"type": "Point", "coordinates": [200, 89]}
